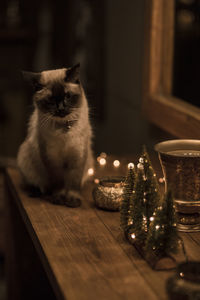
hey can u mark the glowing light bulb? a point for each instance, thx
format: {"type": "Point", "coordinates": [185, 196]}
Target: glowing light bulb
{"type": "Point", "coordinates": [151, 219]}
{"type": "Point", "coordinates": [96, 180]}
{"type": "Point", "coordinates": [140, 166]}
{"type": "Point", "coordinates": [102, 161]}
{"type": "Point", "coordinates": [130, 165]}
{"type": "Point", "coordinates": [116, 163]}
{"type": "Point", "coordinates": [161, 180]}
{"type": "Point", "coordinates": [157, 227]}
{"type": "Point", "coordinates": [133, 235]}
{"type": "Point", "coordinates": [98, 158]}
{"type": "Point", "coordinates": [141, 160]}
{"type": "Point", "coordinates": [90, 171]}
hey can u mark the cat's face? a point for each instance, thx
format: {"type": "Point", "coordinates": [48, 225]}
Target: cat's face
{"type": "Point", "coordinates": [57, 92]}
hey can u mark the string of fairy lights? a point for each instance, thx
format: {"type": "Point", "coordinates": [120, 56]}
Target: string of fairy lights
{"type": "Point", "coordinates": [102, 161]}
{"type": "Point", "coordinates": [142, 214]}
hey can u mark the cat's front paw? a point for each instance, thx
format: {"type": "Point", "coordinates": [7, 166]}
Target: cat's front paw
{"type": "Point", "coordinates": [73, 199]}
{"type": "Point", "coordinates": [58, 198]}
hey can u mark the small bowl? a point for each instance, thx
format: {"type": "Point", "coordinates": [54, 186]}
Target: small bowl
{"type": "Point", "coordinates": [108, 194]}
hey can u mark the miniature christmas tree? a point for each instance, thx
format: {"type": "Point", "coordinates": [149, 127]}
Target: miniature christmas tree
{"type": "Point", "coordinates": [126, 198]}
{"type": "Point", "coordinates": [145, 199]}
{"type": "Point", "coordinates": [152, 195]}
{"type": "Point", "coordinates": [138, 227]}
{"type": "Point", "coordinates": [162, 236]}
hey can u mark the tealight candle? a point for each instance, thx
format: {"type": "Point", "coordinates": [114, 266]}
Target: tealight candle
{"type": "Point", "coordinates": [108, 193]}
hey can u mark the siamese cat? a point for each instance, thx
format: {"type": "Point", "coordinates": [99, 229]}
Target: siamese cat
{"type": "Point", "coordinates": [56, 154]}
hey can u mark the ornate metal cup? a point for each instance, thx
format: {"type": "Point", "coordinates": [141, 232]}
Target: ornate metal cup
{"type": "Point", "coordinates": [180, 161]}
{"type": "Point", "coordinates": [108, 193]}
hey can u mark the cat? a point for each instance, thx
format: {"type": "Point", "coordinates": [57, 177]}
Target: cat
{"type": "Point", "coordinates": [57, 152]}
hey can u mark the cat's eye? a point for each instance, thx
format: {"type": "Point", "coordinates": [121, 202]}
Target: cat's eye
{"type": "Point", "coordinates": [50, 102]}
{"type": "Point", "coordinates": [68, 95]}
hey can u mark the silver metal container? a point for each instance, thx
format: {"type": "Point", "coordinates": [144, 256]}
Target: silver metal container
{"type": "Point", "coordinates": [180, 161]}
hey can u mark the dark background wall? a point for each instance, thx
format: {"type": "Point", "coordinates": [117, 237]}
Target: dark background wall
{"type": "Point", "coordinates": [107, 37]}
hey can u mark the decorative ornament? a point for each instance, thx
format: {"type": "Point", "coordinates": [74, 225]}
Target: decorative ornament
{"type": "Point", "coordinates": [108, 194]}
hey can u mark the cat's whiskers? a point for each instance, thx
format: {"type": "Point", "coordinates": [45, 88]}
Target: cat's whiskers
{"type": "Point", "coordinates": [45, 121]}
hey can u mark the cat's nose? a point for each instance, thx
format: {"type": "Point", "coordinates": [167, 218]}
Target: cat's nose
{"type": "Point", "coordinates": [61, 106]}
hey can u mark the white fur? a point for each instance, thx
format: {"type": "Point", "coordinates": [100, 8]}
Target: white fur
{"type": "Point", "coordinates": [59, 145]}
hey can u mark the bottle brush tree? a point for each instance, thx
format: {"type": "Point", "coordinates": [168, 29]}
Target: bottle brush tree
{"type": "Point", "coordinates": [162, 237]}
{"type": "Point", "coordinates": [152, 194]}
{"type": "Point", "coordinates": [145, 198]}
{"type": "Point", "coordinates": [126, 198]}
{"type": "Point", "coordinates": [138, 220]}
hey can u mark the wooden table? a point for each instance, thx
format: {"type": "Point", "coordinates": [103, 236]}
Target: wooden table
{"type": "Point", "coordinates": [56, 252]}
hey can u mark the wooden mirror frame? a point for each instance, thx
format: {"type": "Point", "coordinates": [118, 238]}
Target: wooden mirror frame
{"type": "Point", "coordinates": [174, 115]}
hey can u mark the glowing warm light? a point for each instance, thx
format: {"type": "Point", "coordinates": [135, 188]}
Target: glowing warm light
{"type": "Point", "coordinates": [90, 171]}
{"type": "Point", "coordinates": [181, 274]}
{"type": "Point", "coordinates": [140, 166]}
{"type": "Point", "coordinates": [141, 160]}
{"type": "Point", "coordinates": [96, 180]}
{"type": "Point", "coordinates": [133, 235]}
{"type": "Point", "coordinates": [130, 165]}
{"type": "Point", "coordinates": [151, 219]}
{"type": "Point", "coordinates": [157, 227]}
{"type": "Point", "coordinates": [116, 163]}
{"type": "Point", "coordinates": [161, 180]}
{"type": "Point", "coordinates": [102, 161]}
{"type": "Point", "coordinates": [98, 158]}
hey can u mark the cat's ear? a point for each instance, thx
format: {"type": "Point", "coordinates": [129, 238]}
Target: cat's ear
{"type": "Point", "coordinates": [73, 74]}
{"type": "Point", "coordinates": [33, 79]}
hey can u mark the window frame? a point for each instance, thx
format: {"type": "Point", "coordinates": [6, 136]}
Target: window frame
{"type": "Point", "coordinates": [172, 114]}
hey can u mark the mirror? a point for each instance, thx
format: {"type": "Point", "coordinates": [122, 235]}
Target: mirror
{"type": "Point", "coordinates": [163, 103]}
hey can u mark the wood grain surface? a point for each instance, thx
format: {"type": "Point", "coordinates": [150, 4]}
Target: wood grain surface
{"type": "Point", "coordinates": [83, 250]}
